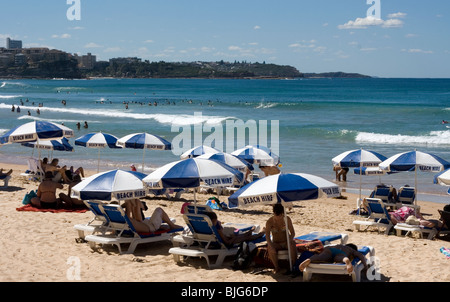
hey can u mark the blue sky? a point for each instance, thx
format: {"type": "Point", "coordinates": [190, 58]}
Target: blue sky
{"type": "Point", "coordinates": [410, 40]}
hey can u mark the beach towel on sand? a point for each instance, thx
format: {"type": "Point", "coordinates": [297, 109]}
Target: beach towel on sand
{"type": "Point", "coordinates": [30, 208]}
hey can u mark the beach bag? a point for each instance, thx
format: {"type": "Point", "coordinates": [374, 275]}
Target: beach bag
{"type": "Point", "coordinates": [214, 203]}
{"type": "Point", "coordinates": [244, 257]}
{"type": "Point", "coordinates": [28, 196]}
{"type": "Point", "coordinates": [261, 258]}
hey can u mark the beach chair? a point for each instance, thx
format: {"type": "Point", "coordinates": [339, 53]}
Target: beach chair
{"type": "Point", "coordinates": [340, 268]}
{"type": "Point", "coordinates": [406, 197]}
{"type": "Point", "coordinates": [385, 194]}
{"type": "Point", "coordinates": [35, 171]}
{"type": "Point", "coordinates": [378, 216]}
{"type": "Point", "coordinates": [411, 229]}
{"type": "Point", "coordinates": [206, 242]}
{"type": "Point", "coordinates": [123, 232]}
{"type": "Point", "coordinates": [99, 223]}
{"type": "Point", "coordinates": [445, 229]}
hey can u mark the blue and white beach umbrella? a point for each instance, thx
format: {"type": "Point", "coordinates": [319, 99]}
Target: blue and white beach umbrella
{"type": "Point", "coordinates": [111, 185]}
{"type": "Point", "coordinates": [285, 189]}
{"type": "Point", "coordinates": [144, 141]}
{"type": "Point", "coordinates": [358, 158]}
{"type": "Point", "coordinates": [229, 159]}
{"type": "Point", "coordinates": [198, 151]}
{"type": "Point", "coordinates": [193, 172]}
{"type": "Point", "coordinates": [414, 161]}
{"type": "Point", "coordinates": [443, 178]}
{"type": "Point", "coordinates": [257, 155]}
{"type": "Point", "coordinates": [56, 144]}
{"type": "Point", "coordinates": [98, 140]}
{"type": "Point", "coordinates": [33, 131]}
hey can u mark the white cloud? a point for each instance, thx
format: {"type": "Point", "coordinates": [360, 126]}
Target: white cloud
{"type": "Point", "coordinates": [397, 15]}
{"type": "Point", "coordinates": [410, 35]}
{"type": "Point", "coordinates": [92, 45]}
{"type": "Point", "coordinates": [234, 48]}
{"type": "Point", "coordinates": [112, 49]}
{"type": "Point", "coordinates": [417, 50]}
{"type": "Point", "coordinates": [63, 36]}
{"type": "Point", "coordinates": [149, 41]}
{"type": "Point", "coordinates": [362, 23]}
{"type": "Point", "coordinates": [256, 27]}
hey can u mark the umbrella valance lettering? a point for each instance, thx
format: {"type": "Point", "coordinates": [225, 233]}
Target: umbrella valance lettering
{"type": "Point", "coordinates": [153, 185]}
{"type": "Point", "coordinates": [331, 191]}
{"type": "Point", "coordinates": [257, 199]}
{"type": "Point", "coordinates": [155, 147]}
{"type": "Point", "coordinates": [219, 181]}
{"type": "Point", "coordinates": [429, 168]}
{"type": "Point", "coordinates": [129, 195]}
{"type": "Point", "coordinates": [18, 138]}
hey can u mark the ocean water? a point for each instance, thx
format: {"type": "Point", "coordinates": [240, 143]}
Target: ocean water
{"type": "Point", "coordinates": [307, 121]}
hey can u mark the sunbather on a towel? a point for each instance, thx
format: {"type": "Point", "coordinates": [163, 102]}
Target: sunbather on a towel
{"type": "Point", "coordinates": [402, 214]}
{"type": "Point", "coordinates": [134, 208]}
{"type": "Point", "coordinates": [336, 254]}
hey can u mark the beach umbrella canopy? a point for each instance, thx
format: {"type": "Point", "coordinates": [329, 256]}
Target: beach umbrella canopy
{"type": "Point", "coordinates": [414, 161]}
{"type": "Point", "coordinates": [358, 158]}
{"type": "Point", "coordinates": [98, 140]}
{"type": "Point", "coordinates": [33, 131]}
{"type": "Point", "coordinates": [199, 150]}
{"type": "Point", "coordinates": [257, 155]}
{"type": "Point", "coordinates": [191, 173]}
{"type": "Point", "coordinates": [285, 189]}
{"type": "Point", "coordinates": [229, 159]}
{"type": "Point", "coordinates": [56, 144]}
{"type": "Point", "coordinates": [443, 178]}
{"type": "Point", "coordinates": [144, 141]}
{"type": "Point", "coordinates": [112, 185]}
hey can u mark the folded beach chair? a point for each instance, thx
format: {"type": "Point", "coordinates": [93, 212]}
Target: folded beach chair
{"type": "Point", "coordinates": [378, 216]}
{"type": "Point", "coordinates": [122, 231]}
{"type": "Point", "coordinates": [206, 242]}
{"type": "Point", "coordinates": [99, 223]}
{"type": "Point", "coordinates": [340, 268]}
{"type": "Point", "coordinates": [385, 194]}
{"type": "Point", "coordinates": [325, 237]}
{"type": "Point", "coordinates": [35, 171]}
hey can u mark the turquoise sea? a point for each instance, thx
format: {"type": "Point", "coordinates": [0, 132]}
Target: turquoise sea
{"type": "Point", "coordinates": [317, 119]}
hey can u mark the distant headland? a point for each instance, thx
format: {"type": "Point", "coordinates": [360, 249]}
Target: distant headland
{"type": "Point", "coordinates": [43, 63]}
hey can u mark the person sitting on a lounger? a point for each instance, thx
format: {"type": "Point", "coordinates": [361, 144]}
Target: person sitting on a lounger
{"type": "Point", "coordinates": [134, 208]}
{"type": "Point", "coordinates": [46, 193]}
{"type": "Point", "coordinates": [232, 239]}
{"type": "Point", "coordinates": [336, 254]}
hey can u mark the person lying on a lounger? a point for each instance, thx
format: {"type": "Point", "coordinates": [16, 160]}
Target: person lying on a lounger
{"type": "Point", "coordinates": [134, 208]}
{"type": "Point", "coordinates": [232, 239]}
{"type": "Point", "coordinates": [336, 254]}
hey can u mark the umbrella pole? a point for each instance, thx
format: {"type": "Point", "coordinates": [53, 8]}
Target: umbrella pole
{"type": "Point", "coordinates": [98, 161]}
{"type": "Point", "coordinates": [415, 185]}
{"type": "Point", "coordinates": [143, 159]}
{"type": "Point", "coordinates": [287, 238]}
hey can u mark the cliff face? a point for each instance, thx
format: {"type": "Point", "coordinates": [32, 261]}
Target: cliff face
{"type": "Point", "coordinates": [59, 69]}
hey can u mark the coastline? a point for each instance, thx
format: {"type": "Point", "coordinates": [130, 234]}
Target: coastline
{"type": "Point", "coordinates": [37, 245]}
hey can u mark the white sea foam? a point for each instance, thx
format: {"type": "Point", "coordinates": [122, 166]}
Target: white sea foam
{"type": "Point", "coordinates": [9, 96]}
{"type": "Point", "coordinates": [265, 105]}
{"type": "Point", "coordinates": [171, 119]}
{"type": "Point", "coordinates": [437, 138]}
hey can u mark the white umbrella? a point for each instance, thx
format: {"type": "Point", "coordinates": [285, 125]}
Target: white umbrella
{"type": "Point", "coordinates": [229, 159]}
{"type": "Point", "coordinates": [33, 131]}
{"type": "Point", "coordinates": [257, 155]}
{"type": "Point", "coordinates": [199, 150]}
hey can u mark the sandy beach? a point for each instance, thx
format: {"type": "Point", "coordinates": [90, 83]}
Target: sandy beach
{"type": "Point", "coordinates": [39, 246]}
